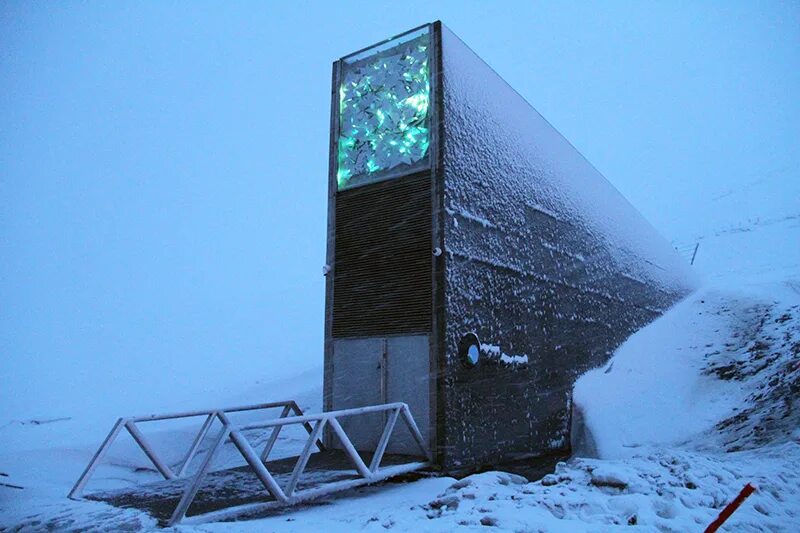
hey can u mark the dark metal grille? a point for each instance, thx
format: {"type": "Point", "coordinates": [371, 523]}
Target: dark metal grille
{"type": "Point", "coordinates": [382, 268]}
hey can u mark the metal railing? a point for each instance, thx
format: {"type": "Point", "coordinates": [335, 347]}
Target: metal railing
{"type": "Point", "coordinates": [283, 496]}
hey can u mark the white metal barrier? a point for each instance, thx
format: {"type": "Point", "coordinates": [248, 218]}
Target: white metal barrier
{"type": "Point", "coordinates": [283, 496]}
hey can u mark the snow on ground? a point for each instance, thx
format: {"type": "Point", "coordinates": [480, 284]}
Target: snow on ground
{"type": "Point", "coordinates": [698, 404]}
{"type": "Point", "coordinates": [703, 364]}
{"type": "Point", "coordinates": [688, 411]}
{"type": "Point", "coordinates": [41, 459]}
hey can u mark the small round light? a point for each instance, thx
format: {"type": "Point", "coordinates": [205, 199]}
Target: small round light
{"type": "Point", "coordinates": [473, 354]}
{"type": "Point", "coordinates": [469, 350]}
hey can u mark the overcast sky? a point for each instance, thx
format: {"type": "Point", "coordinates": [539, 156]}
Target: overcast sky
{"type": "Point", "coordinates": [163, 164]}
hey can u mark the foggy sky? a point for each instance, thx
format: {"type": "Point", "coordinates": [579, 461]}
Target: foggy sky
{"type": "Point", "coordinates": [163, 165]}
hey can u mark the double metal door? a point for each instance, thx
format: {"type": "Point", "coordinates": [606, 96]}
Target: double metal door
{"type": "Point", "coordinates": [375, 370]}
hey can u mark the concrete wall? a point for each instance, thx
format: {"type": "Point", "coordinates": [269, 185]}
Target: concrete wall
{"type": "Point", "coordinates": [544, 260]}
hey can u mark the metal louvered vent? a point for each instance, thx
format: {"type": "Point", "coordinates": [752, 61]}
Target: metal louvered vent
{"type": "Point", "coordinates": [382, 269]}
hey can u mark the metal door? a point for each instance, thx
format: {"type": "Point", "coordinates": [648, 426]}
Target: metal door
{"type": "Point", "coordinates": [376, 370]}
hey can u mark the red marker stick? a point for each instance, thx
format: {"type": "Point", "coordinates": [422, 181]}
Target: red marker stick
{"type": "Point", "coordinates": [730, 508]}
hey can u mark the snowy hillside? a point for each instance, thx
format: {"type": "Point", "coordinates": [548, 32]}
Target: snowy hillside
{"type": "Point", "coordinates": [688, 411]}
{"type": "Point", "coordinates": [748, 236]}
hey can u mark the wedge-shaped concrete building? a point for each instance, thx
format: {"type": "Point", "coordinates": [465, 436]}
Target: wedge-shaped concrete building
{"type": "Point", "coordinates": [477, 263]}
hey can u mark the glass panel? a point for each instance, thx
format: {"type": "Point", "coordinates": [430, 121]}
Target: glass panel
{"type": "Point", "coordinates": [473, 354]}
{"type": "Point", "coordinates": [384, 116]}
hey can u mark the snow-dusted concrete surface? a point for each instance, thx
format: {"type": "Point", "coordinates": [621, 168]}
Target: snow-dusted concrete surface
{"type": "Point", "coordinates": [688, 411]}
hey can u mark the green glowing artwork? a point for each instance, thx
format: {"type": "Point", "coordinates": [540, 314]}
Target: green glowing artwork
{"type": "Point", "coordinates": [384, 111]}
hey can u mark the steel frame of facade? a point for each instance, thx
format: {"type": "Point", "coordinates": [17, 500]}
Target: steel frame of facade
{"type": "Point", "coordinates": [434, 169]}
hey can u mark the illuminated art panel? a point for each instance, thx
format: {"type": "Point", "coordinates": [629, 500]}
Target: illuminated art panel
{"type": "Point", "coordinates": [384, 111]}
